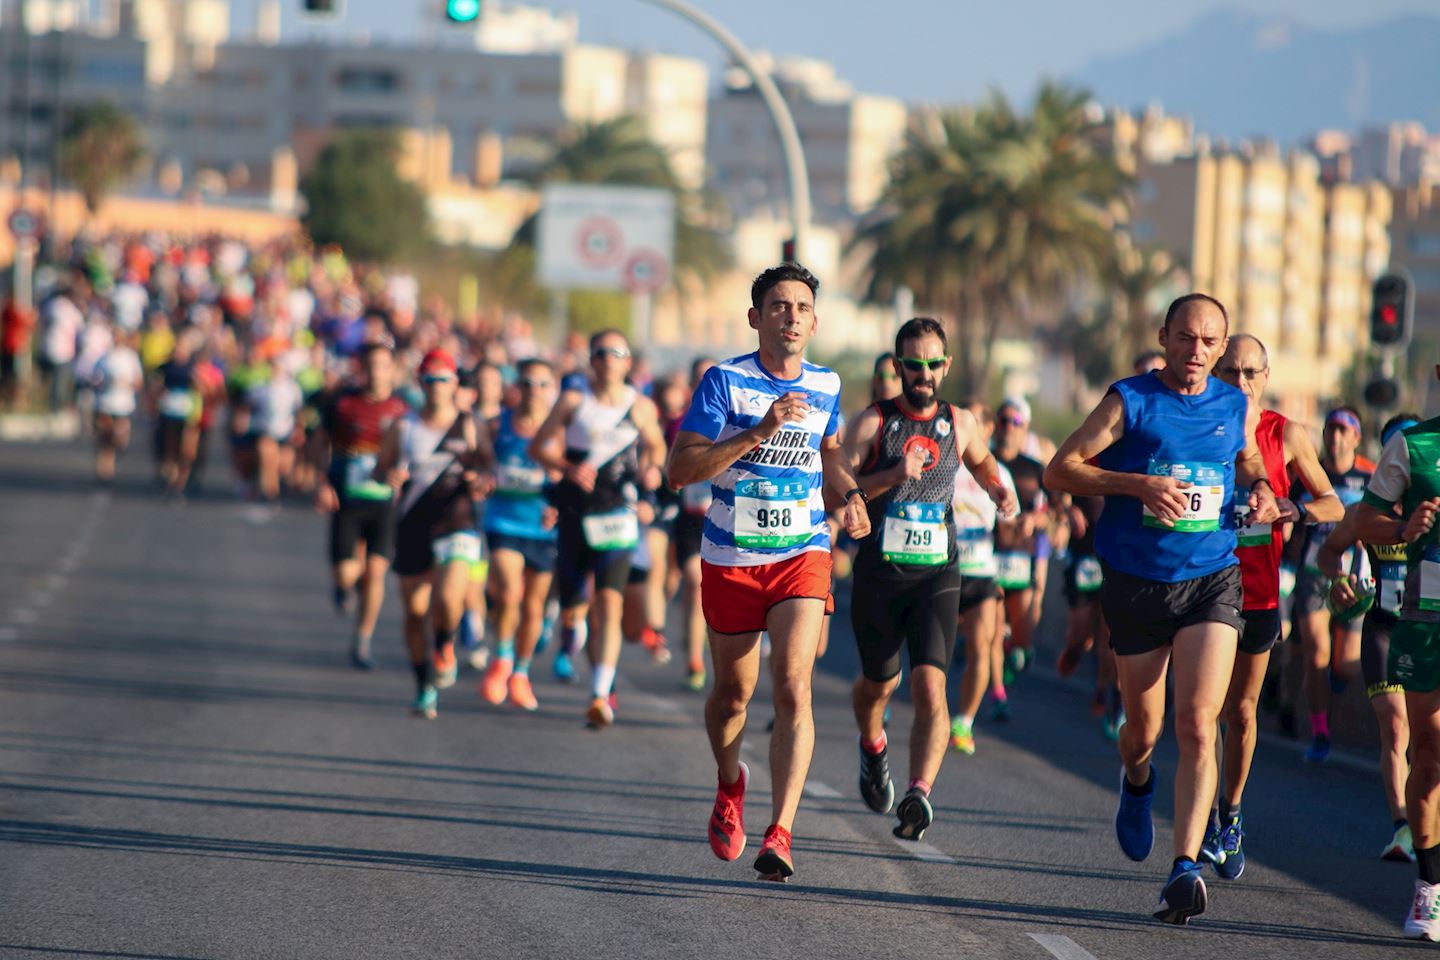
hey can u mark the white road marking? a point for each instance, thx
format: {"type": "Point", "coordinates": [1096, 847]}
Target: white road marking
{"type": "Point", "coordinates": [1060, 947]}
{"type": "Point", "coordinates": [666, 705]}
{"type": "Point", "coordinates": [921, 850]}
{"type": "Point", "coordinates": [823, 791]}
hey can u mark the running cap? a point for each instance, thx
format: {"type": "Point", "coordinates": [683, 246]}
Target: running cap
{"type": "Point", "coordinates": [438, 360]}
{"type": "Point", "coordinates": [1344, 418]}
{"type": "Point", "coordinates": [1394, 428]}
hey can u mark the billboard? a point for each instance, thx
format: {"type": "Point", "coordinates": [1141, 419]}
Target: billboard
{"type": "Point", "coordinates": [606, 238]}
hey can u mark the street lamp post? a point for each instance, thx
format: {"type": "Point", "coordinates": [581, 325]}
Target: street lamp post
{"type": "Point", "coordinates": [779, 112]}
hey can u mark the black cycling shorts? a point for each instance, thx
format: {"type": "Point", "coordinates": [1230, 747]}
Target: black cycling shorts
{"type": "Point", "coordinates": [1262, 631]}
{"type": "Point", "coordinates": [1144, 615]}
{"type": "Point", "coordinates": [370, 520]}
{"type": "Point", "coordinates": [891, 615]}
{"type": "Point", "coordinates": [578, 563]}
{"type": "Point", "coordinates": [539, 554]}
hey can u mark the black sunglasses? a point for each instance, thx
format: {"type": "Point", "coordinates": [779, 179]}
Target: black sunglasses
{"type": "Point", "coordinates": [619, 353]}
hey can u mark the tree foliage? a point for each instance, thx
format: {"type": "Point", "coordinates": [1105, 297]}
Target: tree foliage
{"type": "Point", "coordinates": [356, 198]}
{"type": "Point", "coordinates": [99, 150]}
{"type": "Point", "coordinates": [619, 152]}
{"type": "Point", "coordinates": [991, 214]}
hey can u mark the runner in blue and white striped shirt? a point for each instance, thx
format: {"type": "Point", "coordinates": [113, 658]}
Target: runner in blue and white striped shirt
{"type": "Point", "coordinates": [763, 429]}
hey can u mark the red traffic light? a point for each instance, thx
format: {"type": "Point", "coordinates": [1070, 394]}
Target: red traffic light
{"type": "Point", "coordinates": [1389, 315]}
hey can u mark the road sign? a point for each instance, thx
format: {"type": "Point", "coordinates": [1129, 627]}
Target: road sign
{"type": "Point", "coordinates": [645, 272]}
{"type": "Point", "coordinates": [23, 224]}
{"type": "Point", "coordinates": [606, 238]}
{"type": "Point", "coordinates": [599, 242]}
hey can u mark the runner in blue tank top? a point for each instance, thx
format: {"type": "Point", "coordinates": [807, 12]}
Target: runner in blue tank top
{"type": "Point", "coordinates": [1166, 450]}
{"type": "Point", "coordinates": [520, 526]}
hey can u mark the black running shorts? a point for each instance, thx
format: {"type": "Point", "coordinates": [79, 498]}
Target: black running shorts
{"type": "Point", "coordinates": [370, 520]}
{"type": "Point", "coordinates": [891, 615]}
{"type": "Point", "coordinates": [1262, 631]}
{"type": "Point", "coordinates": [689, 531]}
{"type": "Point", "coordinates": [577, 562]}
{"type": "Point", "coordinates": [976, 590]}
{"type": "Point", "coordinates": [1145, 615]}
{"type": "Point", "coordinates": [1375, 653]}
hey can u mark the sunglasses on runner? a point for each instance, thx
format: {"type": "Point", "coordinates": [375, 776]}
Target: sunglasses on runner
{"type": "Point", "coordinates": [430, 378]}
{"type": "Point", "coordinates": [1249, 373]}
{"type": "Point", "coordinates": [619, 353]}
{"type": "Point", "coordinates": [535, 384]}
{"type": "Point", "coordinates": [916, 364]}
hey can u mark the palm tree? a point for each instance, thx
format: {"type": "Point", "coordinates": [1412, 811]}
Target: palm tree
{"type": "Point", "coordinates": [991, 215]}
{"type": "Point", "coordinates": [99, 150]}
{"type": "Point", "coordinates": [619, 152]}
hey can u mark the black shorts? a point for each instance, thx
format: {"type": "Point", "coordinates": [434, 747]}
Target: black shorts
{"type": "Point", "coordinates": [370, 520]}
{"type": "Point", "coordinates": [891, 615]}
{"type": "Point", "coordinates": [419, 547]}
{"type": "Point", "coordinates": [1145, 615]}
{"type": "Point", "coordinates": [689, 531]}
{"type": "Point", "coordinates": [975, 591]}
{"type": "Point", "coordinates": [578, 562]}
{"type": "Point", "coordinates": [1375, 653]}
{"type": "Point", "coordinates": [1262, 631]}
{"type": "Point", "coordinates": [539, 555]}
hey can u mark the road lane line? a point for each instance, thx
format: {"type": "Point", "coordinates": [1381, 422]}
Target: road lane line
{"type": "Point", "coordinates": [823, 791]}
{"type": "Point", "coordinates": [921, 850]}
{"type": "Point", "coordinates": [1060, 947]}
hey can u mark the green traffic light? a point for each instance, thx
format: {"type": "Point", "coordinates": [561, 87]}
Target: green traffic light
{"type": "Point", "coordinates": [462, 11]}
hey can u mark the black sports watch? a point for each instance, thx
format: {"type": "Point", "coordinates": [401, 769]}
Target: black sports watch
{"type": "Point", "coordinates": [854, 490]}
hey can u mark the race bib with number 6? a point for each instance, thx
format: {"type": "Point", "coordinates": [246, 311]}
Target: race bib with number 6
{"type": "Point", "coordinates": [1204, 498]}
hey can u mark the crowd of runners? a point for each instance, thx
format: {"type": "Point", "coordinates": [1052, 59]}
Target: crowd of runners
{"type": "Point", "coordinates": [534, 501]}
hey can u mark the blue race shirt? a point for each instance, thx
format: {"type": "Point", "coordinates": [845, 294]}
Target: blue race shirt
{"type": "Point", "coordinates": [1193, 438]}
{"type": "Point", "coordinates": [517, 507]}
{"type": "Point", "coordinates": [767, 505]}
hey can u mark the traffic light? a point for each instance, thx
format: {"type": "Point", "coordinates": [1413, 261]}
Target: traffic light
{"type": "Point", "coordinates": [462, 11]}
{"type": "Point", "coordinates": [321, 8]}
{"type": "Point", "coordinates": [1390, 311]}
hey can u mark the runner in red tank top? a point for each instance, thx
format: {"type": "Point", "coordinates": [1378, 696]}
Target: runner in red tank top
{"type": "Point", "coordinates": [1282, 443]}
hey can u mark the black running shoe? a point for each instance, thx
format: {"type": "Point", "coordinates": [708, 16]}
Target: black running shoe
{"type": "Point", "coordinates": [875, 786]}
{"type": "Point", "coordinates": [915, 815]}
{"type": "Point", "coordinates": [1183, 896]}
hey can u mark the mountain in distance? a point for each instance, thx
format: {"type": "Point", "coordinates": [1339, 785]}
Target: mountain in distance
{"type": "Point", "coordinates": [1240, 75]}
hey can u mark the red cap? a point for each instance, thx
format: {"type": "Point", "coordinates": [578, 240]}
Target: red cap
{"type": "Point", "coordinates": [437, 360]}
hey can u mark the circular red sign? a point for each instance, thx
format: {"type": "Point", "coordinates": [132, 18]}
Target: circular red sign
{"type": "Point", "coordinates": [645, 272]}
{"type": "Point", "coordinates": [599, 242]}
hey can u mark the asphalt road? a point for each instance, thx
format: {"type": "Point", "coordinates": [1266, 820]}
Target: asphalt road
{"type": "Point", "coordinates": [189, 769]}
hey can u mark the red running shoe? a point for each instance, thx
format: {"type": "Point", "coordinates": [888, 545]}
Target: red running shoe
{"type": "Point", "coordinates": [727, 820]}
{"type": "Point", "coordinates": [774, 862]}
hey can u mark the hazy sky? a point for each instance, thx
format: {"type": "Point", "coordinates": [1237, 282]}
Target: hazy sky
{"type": "Point", "coordinates": [921, 50]}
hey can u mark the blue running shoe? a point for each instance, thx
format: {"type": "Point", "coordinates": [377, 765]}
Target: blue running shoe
{"type": "Point", "coordinates": [564, 669]}
{"type": "Point", "coordinates": [427, 703]}
{"type": "Point", "coordinates": [1184, 894]}
{"type": "Point", "coordinates": [1319, 749]}
{"type": "Point", "coordinates": [1210, 850]}
{"type": "Point", "coordinates": [1232, 849]}
{"type": "Point", "coordinates": [1133, 826]}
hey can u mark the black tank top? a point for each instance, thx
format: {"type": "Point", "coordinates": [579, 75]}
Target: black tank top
{"type": "Point", "coordinates": [935, 487]}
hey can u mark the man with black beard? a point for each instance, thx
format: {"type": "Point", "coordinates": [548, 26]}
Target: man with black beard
{"type": "Point", "coordinates": [905, 453]}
